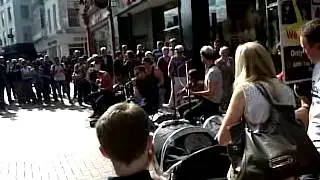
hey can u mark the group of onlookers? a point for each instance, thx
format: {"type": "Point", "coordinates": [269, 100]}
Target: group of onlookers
{"type": "Point", "coordinates": [32, 82]}
{"type": "Point", "coordinates": [123, 130]}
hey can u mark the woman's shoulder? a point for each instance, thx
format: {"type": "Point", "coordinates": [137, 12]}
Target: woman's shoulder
{"type": "Point", "coordinates": [284, 93]}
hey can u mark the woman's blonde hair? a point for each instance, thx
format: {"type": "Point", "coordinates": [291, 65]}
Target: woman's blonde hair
{"type": "Point", "coordinates": [253, 63]}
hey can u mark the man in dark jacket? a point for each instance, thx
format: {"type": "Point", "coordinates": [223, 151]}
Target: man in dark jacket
{"type": "Point", "coordinates": [107, 59]}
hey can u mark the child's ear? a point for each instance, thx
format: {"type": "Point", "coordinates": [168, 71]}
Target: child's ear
{"type": "Point", "coordinates": [104, 152]}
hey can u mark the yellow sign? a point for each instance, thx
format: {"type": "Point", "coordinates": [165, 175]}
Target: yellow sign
{"type": "Point", "coordinates": [292, 31]}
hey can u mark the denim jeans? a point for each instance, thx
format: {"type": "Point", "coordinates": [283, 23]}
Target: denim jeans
{"type": "Point", "coordinates": [63, 86]}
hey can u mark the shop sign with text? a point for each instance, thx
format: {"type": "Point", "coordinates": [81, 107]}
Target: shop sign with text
{"type": "Point", "coordinates": [293, 14]}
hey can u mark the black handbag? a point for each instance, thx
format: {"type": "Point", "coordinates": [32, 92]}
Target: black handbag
{"type": "Point", "coordinates": [276, 149]}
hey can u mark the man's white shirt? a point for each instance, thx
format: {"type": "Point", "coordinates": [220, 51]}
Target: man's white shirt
{"type": "Point", "coordinates": [314, 122]}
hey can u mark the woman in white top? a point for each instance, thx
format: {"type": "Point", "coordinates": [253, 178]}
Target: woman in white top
{"type": "Point", "coordinates": [253, 64]}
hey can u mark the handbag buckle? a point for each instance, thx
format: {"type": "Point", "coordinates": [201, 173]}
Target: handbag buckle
{"type": "Point", "coordinates": [281, 161]}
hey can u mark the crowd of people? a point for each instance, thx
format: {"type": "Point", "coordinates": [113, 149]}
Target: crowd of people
{"type": "Point", "coordinates": [123, 129]}
{"type": "Point", "coordinates": [157, 78]}
{"type": "Point", "coordinates": [161, 78]}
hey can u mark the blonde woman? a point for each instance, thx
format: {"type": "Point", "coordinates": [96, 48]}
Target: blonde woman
{"type": "Point", "coordinates": [253, 64]}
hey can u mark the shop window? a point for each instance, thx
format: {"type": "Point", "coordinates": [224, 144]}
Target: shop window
{"type": "Point", "coordinates": [171, 18]}
{"type": "Point", "coordinates": [273, 29]}
{"type": "Point", "coordinates": [73, 17]}
{"type": "Point", "coordinates": [235, 22]}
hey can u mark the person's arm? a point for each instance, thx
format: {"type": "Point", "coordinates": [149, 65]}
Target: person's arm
{"type": "Point", "coordinates": [159, 62]}
{"type": "Point", "coordinates": [52, 69]}
{"type": "Point", "coordinates": [158, 74]}
{"type": "Point", "coordinates": [212, 86]}
{"type": "Point", "coordinates": [233, 116]}
{"type": "Point", "coordinates": [170, 67]}
{"type": "Point", "coordinates": [214, 79]}
{"type": "Point", "coordinates": [76, 68]}
{"type": "Point", "coordinates": [302, 114]}
{"type": "Point", "coordinates": [310, 113]}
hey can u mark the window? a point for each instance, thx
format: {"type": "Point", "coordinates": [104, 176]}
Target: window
{"type": "Point", "coordinates": [234, 27]}
{"type": "Point", "coordinates": [49, 21]}
{"type": "Point", "coordinates": [42, 18]}
{"type": "Point", "coordinates": [9, 14]}
{"type": "Point", "coordinates": [24, 11]}
{"type": "Point", "coordinates": [55, 23]}
{"type": "Point", "coordinates": [11, 34]}
{"type": "Point", "coordinates": [73, 17]}
{"type": "Point", "coordinates": [2, 18]}
{"type": "Point", "coordinates": [26, 34]}
{"type": "Point", "coordinates": [171, 18]}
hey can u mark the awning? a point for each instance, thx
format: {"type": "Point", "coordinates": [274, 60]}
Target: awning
{"type": "Point", "coordinates": [142, 5]}
{"type": "Point", "coordinates": [131, 8]}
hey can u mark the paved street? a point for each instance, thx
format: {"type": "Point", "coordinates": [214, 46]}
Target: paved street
{"type": "Point", "coordinates": [50, 143]}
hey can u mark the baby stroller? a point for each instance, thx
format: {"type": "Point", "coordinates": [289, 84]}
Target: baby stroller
{"type": "Point", "coordinates": [178, 145]}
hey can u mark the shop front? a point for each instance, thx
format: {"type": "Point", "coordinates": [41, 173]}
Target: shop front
{"type": "Point", "coordinates": [146, 22]}
{"type": "Point", "coordinates": [273, 23]}
{"type": "Point", "coordinates": [100, 30]}
{"type": "Point", "coordinates": [64, 45]}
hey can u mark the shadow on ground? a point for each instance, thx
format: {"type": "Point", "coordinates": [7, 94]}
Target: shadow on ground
{"type": "Point", "coordinates": [12, 110]}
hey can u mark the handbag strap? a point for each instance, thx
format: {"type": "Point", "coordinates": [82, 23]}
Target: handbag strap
{"type": "Point", "coordinates": [264, 93]}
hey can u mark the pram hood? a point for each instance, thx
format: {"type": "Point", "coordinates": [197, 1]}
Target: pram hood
{"type": "Point", "coordinates": [175, 140]}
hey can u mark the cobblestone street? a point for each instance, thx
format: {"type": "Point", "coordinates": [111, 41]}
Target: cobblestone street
{"type": "Point", "coordinates": [49, 144]}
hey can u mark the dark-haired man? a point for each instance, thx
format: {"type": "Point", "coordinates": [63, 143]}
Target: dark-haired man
{"type": "Point", "coordinates": [310, 42]}
{"type": "Point", "coordinates": [146, 87]}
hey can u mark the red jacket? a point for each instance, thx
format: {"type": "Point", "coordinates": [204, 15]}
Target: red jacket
{"type": "Point", "coordinates": [105, 81]}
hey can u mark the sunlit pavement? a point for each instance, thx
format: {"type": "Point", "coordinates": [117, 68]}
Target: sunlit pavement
{"type": "Point", "coordinates": [50, 143]}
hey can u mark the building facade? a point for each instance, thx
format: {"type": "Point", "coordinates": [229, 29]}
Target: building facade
{"type": "Point", "coordinates": [16, 20]}
{"type": "Point", "coordinates": [193, 23]}
{"type": "Point", "coordinates": [99, 24]}
{"type": "Point", "coordinates": [147, 21]}
{"type": "Point", "coordinates": [61, 30]}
